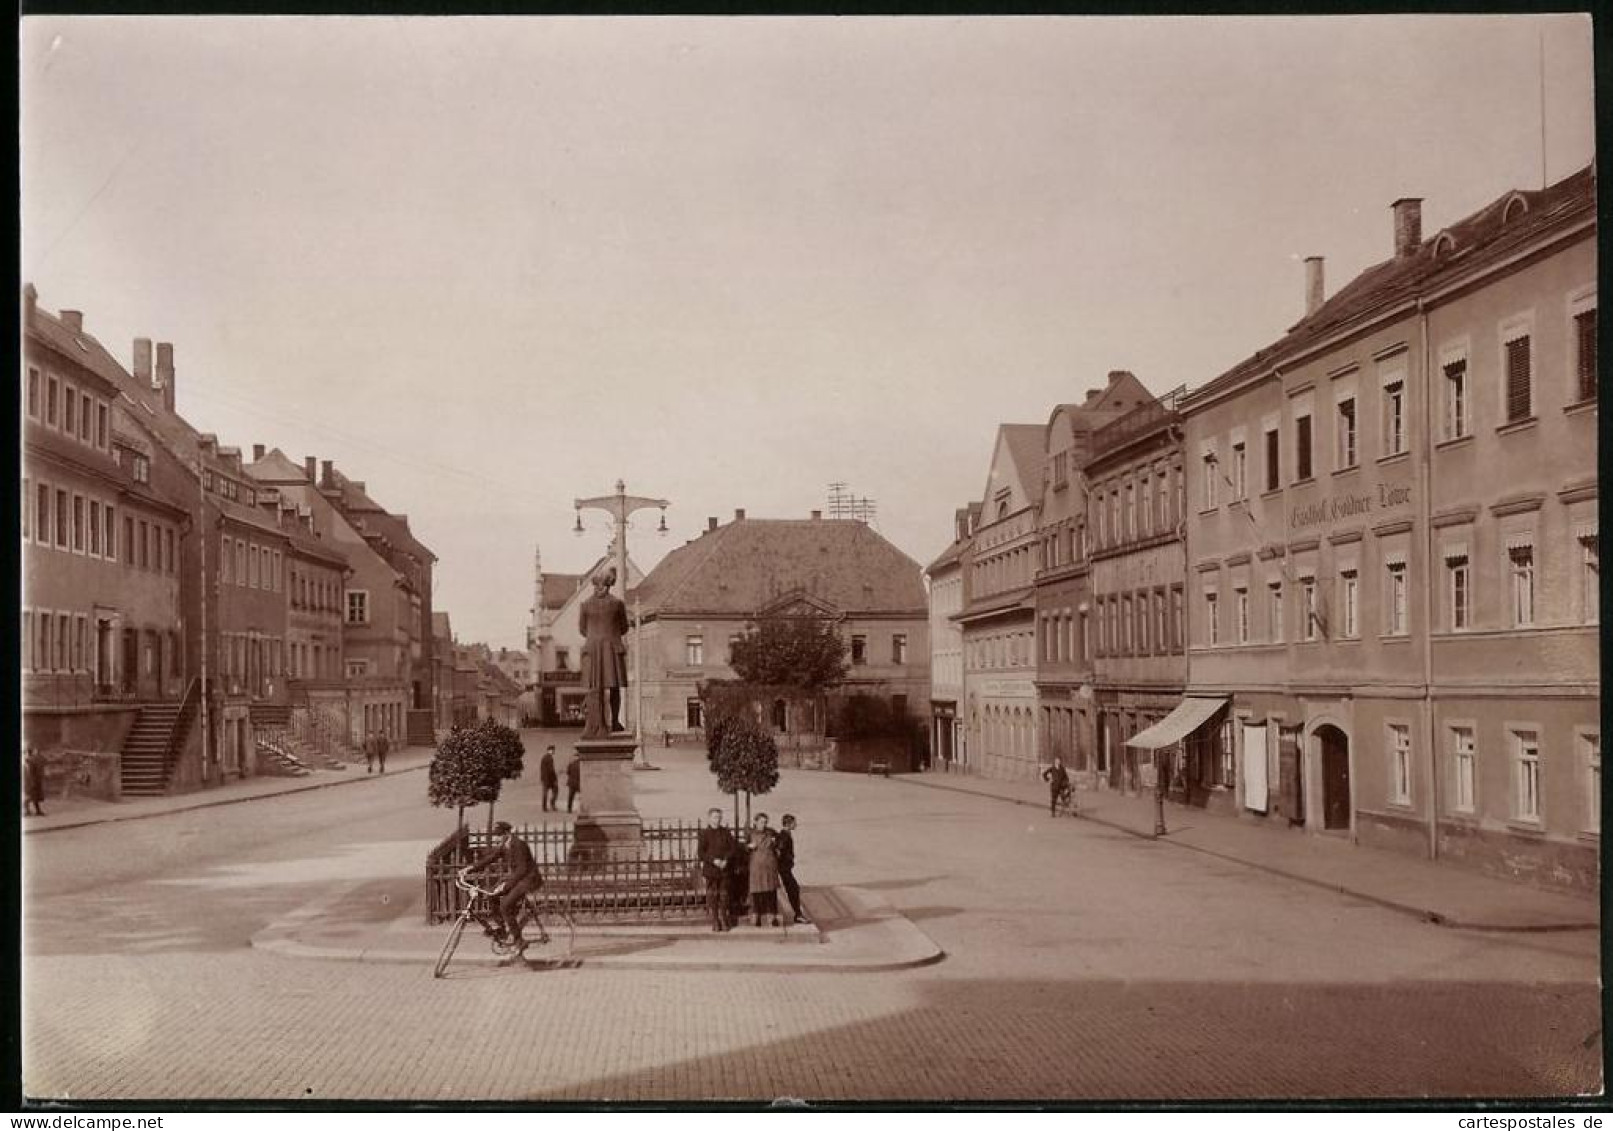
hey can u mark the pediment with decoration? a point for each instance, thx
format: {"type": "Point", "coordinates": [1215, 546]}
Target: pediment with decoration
{"type": "Point", "coordinates": [799, 603]}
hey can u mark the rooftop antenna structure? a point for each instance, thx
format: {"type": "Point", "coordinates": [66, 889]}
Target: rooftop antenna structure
{"type": "Point", "coordinates": [843, 504]}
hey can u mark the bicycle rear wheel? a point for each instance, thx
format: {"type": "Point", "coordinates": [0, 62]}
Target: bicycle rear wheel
{"type": "Point", "coordinates": [451, 945]}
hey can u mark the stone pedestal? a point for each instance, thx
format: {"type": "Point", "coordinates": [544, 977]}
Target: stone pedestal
{"type": "Point", "coordinates": [608, 824]}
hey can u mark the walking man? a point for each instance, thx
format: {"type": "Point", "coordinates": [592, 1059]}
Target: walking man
{"type": "Point", "coordinates": [33, 768]}
{"type": "Point", "coordinates": [573, 781]}
{"type": "Point", "coordinates": [549, 779]}
{"type": "Point", "coordinates": [1058, 784]}
{"type": "Point", "coordinates": [383, 746]}
{"type": "Point", "coordinates": [715, 848]}
{"type": "Point", "coordinates": [785, 848]}
{"type": "Point", "coordinates": [369, 753]}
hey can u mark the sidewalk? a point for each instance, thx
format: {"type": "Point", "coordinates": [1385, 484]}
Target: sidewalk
{"type": "Point", "coordinates": [77, 812]}
{"type": "Point", "coordinates": [1444, 894]}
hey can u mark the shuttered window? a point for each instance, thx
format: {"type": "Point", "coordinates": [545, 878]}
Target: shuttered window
{"type": "Point", "coordinates": [1302, 446]}
{"type": "Point", "coordinates": [1520, 400]}
{"type": "Point", "coordinates": [1585, 338]}
{"type": "Point", "coordinates": [1273, 460]}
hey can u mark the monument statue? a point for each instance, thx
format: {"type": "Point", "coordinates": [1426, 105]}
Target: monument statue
{"type": "Point", "coordinates": [603, 620]}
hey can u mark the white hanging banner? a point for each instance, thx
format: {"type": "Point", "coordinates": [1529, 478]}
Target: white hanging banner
{"type": "Point", "coordinates": [1255, 786]}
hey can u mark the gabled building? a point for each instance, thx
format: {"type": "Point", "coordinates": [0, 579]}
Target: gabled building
{"type": "Point", "coordinates": [704, 595]}
{"type": "Point", "coordinates": [998, 618]}
{"type": "Point", "coordinates": [944, 581]}
{"type": "Point", "coordinates": [1417, 544]}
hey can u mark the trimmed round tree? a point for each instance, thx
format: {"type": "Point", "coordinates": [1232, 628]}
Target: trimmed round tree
{"type": "Point", "coordinates": [466, 770]}
{"type": "Point", "coordinates": [746, 761]}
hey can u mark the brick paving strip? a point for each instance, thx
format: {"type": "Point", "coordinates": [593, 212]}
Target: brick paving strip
{"type": "Point", "coordinates": [1442, 894]}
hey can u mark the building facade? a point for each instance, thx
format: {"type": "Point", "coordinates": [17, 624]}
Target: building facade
{"type": "Point", "coordinates": [706, 594]}
{"type": "Point", "coordinates": [1400, 496]}
{"type": "Point", "coordinates": [944, 579]}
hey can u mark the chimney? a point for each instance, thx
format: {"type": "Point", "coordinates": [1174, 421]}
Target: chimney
{"type": "Point", "coordinates": [257, 453]}
{"type": "Point", "coordinates": [711, 523]}
{"type": "Point", "coordinates": [1408, 212]}
{"type": "Point", "coordinates": [1118, 375]}
{"type": "Point", "coordinates": [310, 467]}
{"type": "Point", "coordinates": [165, 373]}
{"type": "Point", "coordinates": [1315, 293]}
{"type": "Point", "coordinates": [739, 514]}
{"type": "Point", "coordinates": [142, 361]}
{"type": "Point", "coordinates": [817, 516]}
{"type": "Point", "coordinates": [30, 301]}
{"type": "Point", "coordinates": [326, 479]}
{"type": "Point", "coordinates": [74, 320]}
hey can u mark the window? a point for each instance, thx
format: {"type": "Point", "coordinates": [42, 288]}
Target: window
{"type": "Point", "coordinates": [78, 524]}
{"type": "Point", "coordinates": [1590, 579]}
{"type": "Point", "coordinates": [1395, 598]}
{"type": "Point", "coordinates": [1399, 763]}
{"type": "Point", "coordinates": [1126, 626]}
{"type": "Point", "coordinates": [1240, 605]}
{"type": "Point", "coordinates": [62, 518]}
{"type": "Point", "coordinates": [1521, 572]}
{"type": "Point", "coordinates": [358, 606]}
{"type": "Point", "coordinates": [1178, 637]}
{"type": "Point", "coordinates": [562, 659]}
{"type": "Point", "coordinates": [1456, 421]}
{"type": "Point", "coordinates": [1464, 771]}
{"type": "Point", "coordinates": [86, 418]}
{"type": "Point", "coordinates": [29, 660]}
{"type": "Point", "coordinates": [1129, 512]}
{"type": "Point", "coordinates": [1526, 775]}
{"type": "Point", "coordinates": [111, 533]}
{"type": "Point", "coordinates": [252, 566]}
{"type": "Point", "coordinates": [1519, 377]}
{"type": "Point", "coordinates": [1210, 501]}
{"type": "Point", "coordinates": [1302, 447]}
{"type": "Point", "coordinates": [168, 550]}
{"type": "Point", "coordinates": [95, 528]}
{"type": "Point", "coordinates": [1458, 590]}
{"type": "Point", "coordinates": [103, 434]}
{"type": "Point", "coordinates": [859, 649]}
{"type": "Point", "coordinates": [1274, 448]}
{"type": "Point", "coordinates": [142, 469]}
{"type": "Point", "coordinates": [1061, 475]}
{"type": "Point", "coordinates": [33, 392]}
{"type": "Point", "coordinates": [145, 544]}
{"type": "Point", "coordinates": [1212, 619]}
{"type": "Point", "coordinates": [694, 651]}
{"type": "Point", "coordinates": [1240, 472]}
{"type": "Point", "coordinates": [1349, 602]}
{"type": "Point", "coordinates": [1307, 608]}
{"type": "Point", "coordinates": [129, 547]}
{"type": "Point", "coordinates": [81, 634]}
{"type": "Point", "coordinates": [1394, 416]}
{"type": "Point", "coordinates": [691, 714]}
{"type": "Point", "coordinates": [1274, 606]}
{"type": "Point", "coordinates": [52, 394]}
{"type": "Point", "coordinates": [1585, 354]}
{"type": "Point", "coordinates": [226, 570]}
{"type": "Point", "coordinates": [69, 410]}
{"type": "Point", "coordinates": [1346, 454]}
{"type": "Point", "coordinates": [240, 563]}
{"type": "Point", "coordinates": [899, 648]}
{"type": "Point", "coordinates": [1162, 501]}
{"type": "Point", "coordinates": [357, 668]}
{"type": "Point", "coordinates": [1590, 747]}
{"type": "Point", "coordinates": [42, 514]}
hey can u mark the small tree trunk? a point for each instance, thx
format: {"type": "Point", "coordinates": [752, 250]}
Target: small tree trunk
{"type": "Point", "coordinates": [491, 805]}
{"type": "Point", "coordinates": [461, 816]}
{"type": "Point", "coordinates": [747, 809]}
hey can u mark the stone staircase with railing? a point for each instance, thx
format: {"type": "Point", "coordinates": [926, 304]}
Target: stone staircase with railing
{"type": "Point", "coordinates": [275, 758]}
{"type": "Point", "coordinates": [275, 727]}
{"type": "Point", "coordinates": [326, 733]}
{"type": "Point", "coordinates": [144, 764]}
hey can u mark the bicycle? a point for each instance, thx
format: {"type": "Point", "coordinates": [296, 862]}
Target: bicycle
{"type": "Point", "coordinates": [1065, 803]}
{"type": "Point", "coordinates": [479, 908]}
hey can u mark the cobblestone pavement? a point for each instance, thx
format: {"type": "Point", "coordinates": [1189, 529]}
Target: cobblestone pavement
{"type": "Point", "coordinates": [1082, 963]}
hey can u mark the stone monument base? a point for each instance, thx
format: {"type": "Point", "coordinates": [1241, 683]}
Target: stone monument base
{"type": "Point", "coordinates": [608, 825]}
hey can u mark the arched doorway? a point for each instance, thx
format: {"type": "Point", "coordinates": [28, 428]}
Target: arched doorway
{"type": "Point", "coordinates": [1335, 752]}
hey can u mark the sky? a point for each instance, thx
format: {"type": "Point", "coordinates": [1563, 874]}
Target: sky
{"type": "Point", "coordinates": [489, 266]}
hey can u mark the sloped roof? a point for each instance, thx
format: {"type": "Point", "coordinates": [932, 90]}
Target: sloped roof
{"type": "Point", "coordinates": [277, 467]}
{"type": "Point", "coordinates": [746, 565]}
{"type": "Point", "coordinates": [81, 347]}
{"type": "Point", "coordinates": [1027, 448]}
{"type": "Point", "coordinates": [440, 628]}
{"type": "Point", "coordinates": [558, 588]}
{"type": "Point", "coordinates": [949, 556]}
{"type": "Point", "coordinates": [394, 528]}
{"type": "Point", "coordinates": [1480, 238]}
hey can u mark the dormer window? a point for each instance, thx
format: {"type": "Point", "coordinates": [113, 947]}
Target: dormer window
{"type": "Point", "coordinates": [1516, 206]}
{"type": "Point", "coordinates": [1444, 244]}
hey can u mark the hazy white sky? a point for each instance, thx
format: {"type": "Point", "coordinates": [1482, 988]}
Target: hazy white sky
{"type": "Point", "coordinates": [491, 265]}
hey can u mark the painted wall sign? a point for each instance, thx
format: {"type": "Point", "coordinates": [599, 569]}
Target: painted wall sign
{"type": "Point", "coordinates": [1387, 497]}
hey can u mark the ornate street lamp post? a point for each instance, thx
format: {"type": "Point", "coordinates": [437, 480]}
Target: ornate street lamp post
{"type": "Point", "coordinates": [619, 506]}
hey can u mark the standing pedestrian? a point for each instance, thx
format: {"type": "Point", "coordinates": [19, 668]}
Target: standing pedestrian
{"type": "Point", "coordinates": [549, 779]}
{"type": "Point", "coordinates": [573, 781]}
{"type": "Point", "coordinates": [33, 770]}
{"type": "Point", "coordinates": [763, 871]}
{"type": "Point", "coordinates": [715, 848]}
{"type": "Point", "coordinates": [784, 851]}
{"type": "Point", "coordinates": [383, 746]}
{"type": "Point", "coordinates": [1058, 784]}
{"type": "Point", "coordinates": [369, 753]}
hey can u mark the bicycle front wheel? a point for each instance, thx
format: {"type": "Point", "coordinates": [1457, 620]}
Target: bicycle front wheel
{"type": "Point", "coordinates": [450, 946]}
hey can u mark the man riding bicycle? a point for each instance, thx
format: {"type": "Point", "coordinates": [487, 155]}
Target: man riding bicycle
{"type": "Point", "coordinates": [1058, 784]}
{"type": "Point", "coordinates": [522, 876]}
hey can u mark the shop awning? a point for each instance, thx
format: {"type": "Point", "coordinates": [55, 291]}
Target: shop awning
{"type": "Point", "coordinates": [1187, 717]}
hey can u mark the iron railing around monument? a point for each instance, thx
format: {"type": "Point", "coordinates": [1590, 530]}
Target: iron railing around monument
{"type": "Point", "coordinates": [663, 883]}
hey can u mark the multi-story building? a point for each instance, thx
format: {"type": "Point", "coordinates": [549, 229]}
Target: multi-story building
{"type": "Point", "coordinates": [1417, 548]}
{"type": "Point", "coordinates": [1136, 491]}
{"type": "Point", "coordinates": [102, 618]}
{"type": "Point", "coordinates": [999, 609]}
{"type": "Point", "coordinates": [1065, 681]}
{"type": "Point", "coordinates": [703, 597]}
{"type": "Point", "coordinates": [945, 579]}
